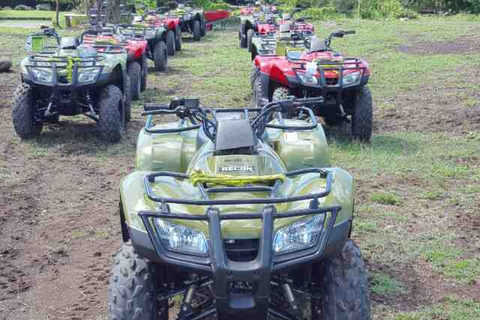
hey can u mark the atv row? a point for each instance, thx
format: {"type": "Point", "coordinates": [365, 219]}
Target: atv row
{"type": "Point", "coordinates": [190, 19]}
{"type": "Point", "coordinates": [64, 77]}
{"type": "Point", "coordinates": [242, 218]}
{"type": "Point", "coordinates": [281, 71]}
{"type": "Point", "coordinates": [261, 20]}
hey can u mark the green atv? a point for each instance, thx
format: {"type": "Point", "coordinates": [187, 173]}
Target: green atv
{"type": "Point", "coordinates": [238, 212]}
{"type": "Point", "coordinates": [62, 78]}
{"type": "Point", "coordinates": [191, 19]}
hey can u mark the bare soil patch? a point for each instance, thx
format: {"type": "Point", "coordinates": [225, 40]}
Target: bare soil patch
{"type": "Point", "coordinates": [466, 44]}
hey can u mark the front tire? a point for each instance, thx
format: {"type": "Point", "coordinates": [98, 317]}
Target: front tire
{"type": "Point", "coordinates": [131, 292]}
{"type": "Point", "coordinates": [23, 113]}
{"type": "Point", "coordinates": [249, 39]}
{"type": "Point", "coordinates": [160, 56]}
{"type": "Point", "coordinates": [134, 71]}
{"type": "Point", "coordinates": [343, 288]}
{"type": "Point", "coordinates": [143, 86]}
{"type": "Point", "coordinates": [196, 31]}
{"type": "Point", "coordinates": [259, 98]}
{"type": "Point", "coordinates": [111, 123]}
{"type": "Point", "coordinates": [178, 38]}
{"type": "Point", "coordinates": [128, 99]}
{"type": "Point", "coordinates": [170, 43]}
{"type": "Point", "coordinates": [243, 40]}
{"type": "Point", "coordinates": [362, 117]}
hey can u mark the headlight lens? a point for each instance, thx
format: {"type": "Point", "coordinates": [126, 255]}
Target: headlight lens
{"type": "Point", "coordinates": [307, 79]}
{"type": "Point", "coordinates": [352, 79]}
{"type": "Point", "coordinates": [176, 237]}
{"type": "Point", "coordinates": [88, 75]}
{"type": "Point", "coordinates": [43, 75]}
{"type": "Point", "coordinates": [299, 235]}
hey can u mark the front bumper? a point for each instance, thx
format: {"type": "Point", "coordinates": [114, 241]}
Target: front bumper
{"type": "Point", "coordinates": [226, 271]}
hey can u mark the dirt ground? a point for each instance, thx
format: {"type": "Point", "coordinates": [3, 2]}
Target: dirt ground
{"type": "Point", "coordinates": [59, 204]}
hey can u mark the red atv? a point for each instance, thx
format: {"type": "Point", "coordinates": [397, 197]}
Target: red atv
{"type": "Point", "coordinates": [172, 24]}
{"type": "Point", "coordinates": [318, 72]}
{"type": "Point", "coordinates": [136, 47]}
{"type": "Point", "coordinates": [299, 25]}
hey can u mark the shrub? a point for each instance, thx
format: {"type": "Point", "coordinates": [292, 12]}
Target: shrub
{"type": "Point", "coordinates": [328, 12]}
{"type": "Point", "coordinates": [22, 7]}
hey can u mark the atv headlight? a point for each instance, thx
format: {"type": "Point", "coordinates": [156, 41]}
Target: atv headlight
{"type": "Point", "coordinates": [352, 79]}
{"type": "Point", "coordinates": [176, 237]}
{"type": "Point", "coordinates": [43, 75]}
{"type": "Point", "coordinates": [299, 235]}
{"type": "Point", "coordinates": [87, 75]}
{"type": "Point", "coordinates": [307, 79]}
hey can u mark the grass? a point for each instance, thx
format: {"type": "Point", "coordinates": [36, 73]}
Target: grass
{"type": "Point", "coordinates": [32, 14]}
{"type": "Point", "coordinates": [383, 284]}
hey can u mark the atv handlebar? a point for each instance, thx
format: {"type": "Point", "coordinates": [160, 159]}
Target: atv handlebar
{"type": "Point", "coordinates": [205, 117]}
{"type": "Point", "coordinates": [337, 34]}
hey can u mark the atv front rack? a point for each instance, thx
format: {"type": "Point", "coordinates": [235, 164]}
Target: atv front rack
{"type": "Point", "coordinates": [225, 271]}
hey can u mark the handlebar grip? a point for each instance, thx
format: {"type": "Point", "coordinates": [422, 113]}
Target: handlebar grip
{"type": "Point", "coordinates": [155, 107]}
{"type": "Point", "coordinates": [350, 32]}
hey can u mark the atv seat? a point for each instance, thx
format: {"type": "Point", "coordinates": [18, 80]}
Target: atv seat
{"type": "Point", "coordinates": [317, 45]}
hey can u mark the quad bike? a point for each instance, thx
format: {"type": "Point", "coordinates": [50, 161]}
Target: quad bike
{"type": "Point", "coordinates": [67, 79]}
{"type": "Point", "coordinates": [276, 43]}
{"type": "Point", "coordinates": [136, 47]}
{"type": "Point", "coordinates": [156, 37]}
{"type": "Point", "coordinates": [191, 20]}
{"type": "Point", "coordinates": [261, 22]}
{"type": "Point", "coordinates": [236, 213]}
{"type": "Point", "coordinates": [172, 24]}
{"type": "Point", "coordinates": [318, 72]}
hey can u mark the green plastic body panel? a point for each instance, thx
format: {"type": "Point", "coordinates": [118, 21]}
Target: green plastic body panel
{"type": "Point", "coordinates": [184, 152]}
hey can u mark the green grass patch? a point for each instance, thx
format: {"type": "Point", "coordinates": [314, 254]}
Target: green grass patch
{"type": "Point", "coordinates": [386, 198]}
{"type": "Point", "coordinates": [383, 284]}
{"type": "Point", "coordinates": [32, 14]}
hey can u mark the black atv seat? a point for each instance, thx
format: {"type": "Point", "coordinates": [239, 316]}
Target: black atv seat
{"type": "Point", "coordinates": [234, 134]}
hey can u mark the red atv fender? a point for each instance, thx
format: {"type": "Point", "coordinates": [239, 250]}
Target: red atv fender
{"type": "Point", "coordinates": [172, 23]}
{"type": "Point", "coordinates": [275, 68]}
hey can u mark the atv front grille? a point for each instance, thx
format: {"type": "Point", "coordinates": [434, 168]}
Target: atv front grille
{"type": "Point", "coordinates": [241, 250]}
{"type": "Point", "coordinates": [331, 81]}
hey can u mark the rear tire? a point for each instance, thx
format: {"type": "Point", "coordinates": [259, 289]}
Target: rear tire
{"type": "Point", "coordinates": [160, 56]}
{"type": "Point", "coordinates": [362, 118]}
{"type": "Point", "coordinates": [196, 31]}
{"type": "Point", "coordinates": [259, 98]}
{"type": "Point", "coordinates": [128, 100]}
{"type": "Point", "coordinates": [134, 71]}
{"type": "Point", "coordinates": [111, 123]}
{"type": "Point", "coordinates": [343, 289]}
{"type": "Point", "coordinates": [243, 40]}
{"type": "Point", "coordinates": [23, 113]}
{"type": "Point", "coordinates": [143, 86]}
{"type": "Point", "coordinates": [170, 43]}
{"type": "Point", "coordinates": [280, 94]}
{"type": "Point", "coordinates": [254, 74]}
{"type": "Point", "coordinates": [178, 38]}
{"type": "Point", "coordinates": [131, 291]}
{"type": "Point", "coordinates": [203, 29]}
{"type": "Point", "coordinates": [249, 39]}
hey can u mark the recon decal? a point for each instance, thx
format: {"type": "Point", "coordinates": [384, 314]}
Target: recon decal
{"type": "Point", "coordinates": [239, 168]}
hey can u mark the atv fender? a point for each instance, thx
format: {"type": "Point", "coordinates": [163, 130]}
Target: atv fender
{"type": "Point", "coordinates": [273, 68]}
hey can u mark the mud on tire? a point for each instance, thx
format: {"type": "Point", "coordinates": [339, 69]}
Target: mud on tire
{"type": "Point", "coordinates": [343, 290]}
{"type": "Point", "coordinates": [362, 117]}
{"type": "Point", "coordinates": [131, 292]}
{"type": "Point", "coordinates": [160, 56]}
{"type": "Point", "coordinates": [170, 43]}
{"type": "Point", "coordinates": [259, 98]}
{"type": "Point", "coordinates": [196, 31]}
{"type": "Point", "coordinates": [134, 71]}
{"type": "Point", "coordinates": [111, 123]}
{"type": "Point", "coordinates": [23, 113]}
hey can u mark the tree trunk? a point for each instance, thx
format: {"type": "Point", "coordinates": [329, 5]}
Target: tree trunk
{"type": "Point", "coordinates": [113, 11]}
{"type": "Point", "coordinates": [57, 14]}
{"type": "Point", "coordinates": [86, 4]}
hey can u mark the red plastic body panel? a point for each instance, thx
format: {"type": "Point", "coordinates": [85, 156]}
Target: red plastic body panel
{"type": "Point", "coordinates": [266, 28]}
{"type": "Point", "coordinates": [211, 16]}
{"type": "Point", "coordinates": [135, 48]}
